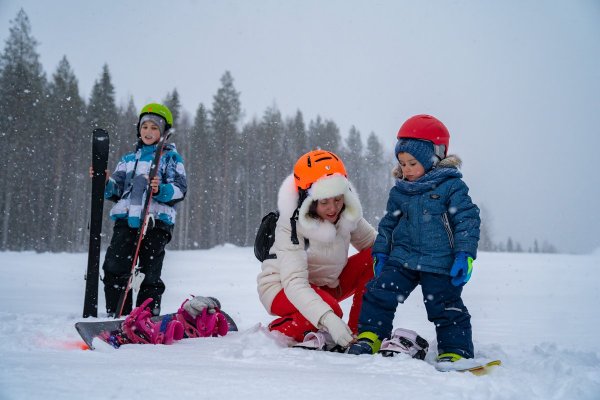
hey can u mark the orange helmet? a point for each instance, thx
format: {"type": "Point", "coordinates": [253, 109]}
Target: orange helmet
{"type": "Point", "coordinates": [316, 164]}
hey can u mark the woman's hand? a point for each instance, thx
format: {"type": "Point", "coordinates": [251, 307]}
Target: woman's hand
{"type": "Point", "coordinates": [338, 329]}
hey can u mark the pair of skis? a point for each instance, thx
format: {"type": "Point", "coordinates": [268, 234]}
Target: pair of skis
{"type": "Point", "coordinates": [100, 147]}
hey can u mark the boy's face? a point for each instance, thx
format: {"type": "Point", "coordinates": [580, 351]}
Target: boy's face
{"type": "Point", "coordinates": [411, 168]}
{"type": "Point", "coordinates": [149, 132]}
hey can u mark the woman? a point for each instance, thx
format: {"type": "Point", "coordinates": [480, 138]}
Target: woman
{"type": "Point", "coordinates": [310, 273]}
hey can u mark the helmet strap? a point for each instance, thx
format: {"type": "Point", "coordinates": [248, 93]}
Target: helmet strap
{"type": "Point", "coordinates": [439, 150]}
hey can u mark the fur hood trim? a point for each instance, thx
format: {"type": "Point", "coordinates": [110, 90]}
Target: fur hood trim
{"type": "Point", "coordinates": [451, 161]}
{"type": "Point", "coordinates": [326, 187]}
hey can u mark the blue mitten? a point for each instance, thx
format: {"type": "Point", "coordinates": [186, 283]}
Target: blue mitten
{"type": "Point", "coordinates": [379, 260]}
{"type": "Point", "coordinates": [461, 269]}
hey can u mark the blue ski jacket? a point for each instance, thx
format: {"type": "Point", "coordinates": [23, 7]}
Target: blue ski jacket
{"type": "Point", "coordinates": [429, 220]}
{"type": "Point", "coordinates": [128, 185]}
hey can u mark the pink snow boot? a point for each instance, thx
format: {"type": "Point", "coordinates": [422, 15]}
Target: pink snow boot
{"type": "Point", "coordinates": [208, 321]}
{"type": "Point", "coordinates": [140, 328]}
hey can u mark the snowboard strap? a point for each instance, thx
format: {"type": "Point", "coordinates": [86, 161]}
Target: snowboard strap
{"type": "Point", "coordinates": [139, 327]}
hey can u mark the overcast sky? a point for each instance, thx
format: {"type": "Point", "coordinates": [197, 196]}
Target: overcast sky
{"type": "Point", "coordinates": [516, 82]}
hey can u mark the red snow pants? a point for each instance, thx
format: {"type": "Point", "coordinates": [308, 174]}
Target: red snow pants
{"type": "Point", "coordinates": [357, 272]}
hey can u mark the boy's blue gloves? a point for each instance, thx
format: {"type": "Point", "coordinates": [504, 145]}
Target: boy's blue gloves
{"type": "Point", "coordinates": [461, 269]}
{"type": "Point", "coordinates": [379, 260]}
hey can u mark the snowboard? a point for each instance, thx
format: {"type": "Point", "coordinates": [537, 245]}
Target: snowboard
{"type": "Point", "coordinates": [91, 330]}
{"type": "Point", "coordinates": [476, 369]}
{"type": "Point", "coordinates": [100, 142]}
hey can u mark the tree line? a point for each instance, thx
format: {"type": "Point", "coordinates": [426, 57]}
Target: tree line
{"type": "Point", "coordinates": [234, 168]}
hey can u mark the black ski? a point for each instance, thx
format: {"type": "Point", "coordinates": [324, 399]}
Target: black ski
{"type": "Point", "coordinates": [144, 221]}
{"type": "Point", "coordinates": [100, 142]}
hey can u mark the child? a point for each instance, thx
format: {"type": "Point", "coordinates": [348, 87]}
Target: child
{"type": "Point", "coordinates": [127, 187]}
{"type": "Point", "coordinates": [310, 272]}
{"type": "Point", "coordinates": [428, 236]}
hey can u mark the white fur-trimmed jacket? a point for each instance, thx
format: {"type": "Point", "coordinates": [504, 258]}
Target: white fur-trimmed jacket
{"type": "Point", "coordinates": [295, 267]}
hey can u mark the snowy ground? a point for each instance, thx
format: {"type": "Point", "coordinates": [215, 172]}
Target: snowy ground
{"type": "Point", "coordinates": [540, 314]}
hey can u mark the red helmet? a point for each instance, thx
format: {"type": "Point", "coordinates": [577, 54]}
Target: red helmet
{"type": "Point", "coordinates": [426, 127]}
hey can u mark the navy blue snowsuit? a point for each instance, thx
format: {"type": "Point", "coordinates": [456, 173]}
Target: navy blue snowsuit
{"type": "Point", "coordinates": [427, 222]}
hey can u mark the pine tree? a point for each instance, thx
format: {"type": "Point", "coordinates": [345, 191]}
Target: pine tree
{"type": "Point", "coordinates": [198, 172]}
{"type": "Point", "coordinates": [275, 166]}
{"type": "Point", "coordinates": [295, 140]}
{"type": "Point", "coordinates": [174, 104]}
{"type": "Point", "coordinates": [22, 128]}
{"type": "Point", "coordinates": [257, 197]}
{"type": "Point", "coordinates": [377, 181]}
{"type": "Point", "coordinates": [225, 116]}
{"type": "Point", "coordinates": [124, 138]}
{"type": "Point", "coordinates": [69, 147]}
{"type": "Point", "coordinates": [486, 242]}
{"type": "Point", "coordinates": [324, 135]}
{"type": "Point", "coordinates": [183, 227]}
{"type": "Point", "coordinates": [354, 160]}
{"type": "Point", "coordinates": [509, 245]}
{"type": "Point", "coordinates": [102, 111]}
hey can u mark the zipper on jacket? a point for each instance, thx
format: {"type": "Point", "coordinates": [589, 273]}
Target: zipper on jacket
{"type": "Point", "coordinates": [446, 223]}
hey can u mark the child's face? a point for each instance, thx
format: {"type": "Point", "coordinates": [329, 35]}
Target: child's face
{"type": "Point", "coordinates": [149, 132]}
{"type": "Point", "coordinates": [411, 168]}
{"type": "Point", "coordinates": [329, 209]}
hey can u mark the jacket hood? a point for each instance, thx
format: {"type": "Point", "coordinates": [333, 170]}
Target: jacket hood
{"type": "Point", "coordinates": [330, 186]}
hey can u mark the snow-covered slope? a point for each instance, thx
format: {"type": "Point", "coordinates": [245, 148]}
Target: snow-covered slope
{"type": "Point", "coordinates": [540, 314]}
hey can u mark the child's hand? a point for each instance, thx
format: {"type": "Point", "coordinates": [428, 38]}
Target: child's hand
{"type": "Point", "coordinates": [379, 260]}
{"type": "Point", "coordinates": [461, 269]}
{"type": "Point", "coordinates": [106, 173]}
{"type": "Point", "coordinates": [155, 184]}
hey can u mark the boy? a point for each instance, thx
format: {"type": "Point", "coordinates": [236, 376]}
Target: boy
{"type": "Point", "coordinates": [127, 187]}
{"type": "Point", "coordinates": [428, 236]}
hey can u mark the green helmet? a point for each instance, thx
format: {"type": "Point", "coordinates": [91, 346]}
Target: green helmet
{"type": "Point", "coordinates": [159, 110]}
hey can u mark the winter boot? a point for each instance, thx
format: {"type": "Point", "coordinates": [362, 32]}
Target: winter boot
{"type": "Point", "coordinates": [367, 343]}
{"type": "Point", "coordinates": [405, 341]}
{"type": "Point", "coordinates": [319, 340]}
{"type": "Point", "coordinates": [448, 358]}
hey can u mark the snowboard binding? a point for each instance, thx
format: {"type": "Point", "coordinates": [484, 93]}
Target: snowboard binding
{"type": "Point", "coordinates": [139, 328]}
{"type": "Point", "coordinates": [405, 341]}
